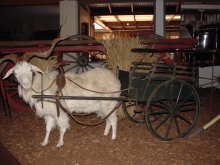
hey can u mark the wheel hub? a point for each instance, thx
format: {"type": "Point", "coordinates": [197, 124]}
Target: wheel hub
{"type": "Point", "coordinates": [83, 60]}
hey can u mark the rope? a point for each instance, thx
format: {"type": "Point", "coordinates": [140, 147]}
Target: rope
{"type": "Point", "coordinates": [43, 90]}
{"type": "Point", "coordinates": [97, 91]}
{"type": "Point", "coordinates": [72, 115]}
{"type": "Point", "coordinates": [87, 124]}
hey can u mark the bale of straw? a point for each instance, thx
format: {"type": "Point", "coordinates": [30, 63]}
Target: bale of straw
{"type": "Point", "coordinates": [46, 65]}
{"type": "Point", "coordinates": [119, 53]}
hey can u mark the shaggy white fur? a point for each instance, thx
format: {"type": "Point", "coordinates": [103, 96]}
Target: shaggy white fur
{"type": "Point", "coordinates": [101, 80]}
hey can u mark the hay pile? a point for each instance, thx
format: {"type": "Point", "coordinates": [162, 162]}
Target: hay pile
{"type": "Point", "coordinates": [119, 53]}
{"type": "Point", "coordinates": [46, 65]}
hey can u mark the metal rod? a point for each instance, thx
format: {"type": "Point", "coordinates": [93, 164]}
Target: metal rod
{"type": "Point", "coordinates": [82, 98]}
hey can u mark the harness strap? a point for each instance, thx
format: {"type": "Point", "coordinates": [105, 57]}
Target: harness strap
{"type": "Point", "coordinates": [87, 124]}
{"type": "Point", "coordinates": [57, 103]}
{"type": "Point", "coordinates": [61, 82]}
{"type": "Point", "coordinates": [42, 92]}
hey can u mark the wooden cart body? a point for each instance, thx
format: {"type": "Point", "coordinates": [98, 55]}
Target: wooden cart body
{"type": "Point", "coordinates": [145, 77]}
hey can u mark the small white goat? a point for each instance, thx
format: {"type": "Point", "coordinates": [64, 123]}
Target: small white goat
{"type": "Point", "coordinates": [97, 79]}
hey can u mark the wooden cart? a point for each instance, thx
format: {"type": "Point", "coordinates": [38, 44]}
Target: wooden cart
{"type": "Point", "coordinates": [161, 95]}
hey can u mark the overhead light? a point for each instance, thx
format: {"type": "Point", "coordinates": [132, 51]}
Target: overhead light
{"type": "Point", "coordinates": [177, 17]}
{"type": "Point", "coordinates": [130, 18]}
{"type": "Point", "coordinates": [108, 18]}
{"type": "Point", "coordinates": [144, 17]}
{"type": "Point", "coordinates": [173, 17]}
{"type": "Point", "coordinates": [126, 18]}
{"type": "Point", "coordinates": [97, 26]}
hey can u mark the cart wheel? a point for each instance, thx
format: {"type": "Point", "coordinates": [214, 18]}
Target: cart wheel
{"type": "Point", "coordinates": [134, 111]}
{"type": "Point", "coordinates": [81, 61]}
{"type": "Point", "coordinates": [172, 110]}
{"type": "Point", "coordinates": [10, 92]}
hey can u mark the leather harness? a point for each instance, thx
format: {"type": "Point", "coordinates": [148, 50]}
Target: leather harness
{"type": "Point", "coordinates": [61, 82]}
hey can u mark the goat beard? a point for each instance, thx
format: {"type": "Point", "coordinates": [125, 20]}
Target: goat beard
{"type": "Point", "coordinates": [25, 94]}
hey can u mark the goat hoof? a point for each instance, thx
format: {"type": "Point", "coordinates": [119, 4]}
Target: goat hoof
{"type": "Point", "coordinates": [106, 133]}
{"type": "Point", "coordinates": [113, 137]}
{"type": "Point", "coordinates": [59, 145]}
{"type": "Point", "coordinates": [44, 143]}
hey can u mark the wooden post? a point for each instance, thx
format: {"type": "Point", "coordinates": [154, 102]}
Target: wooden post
{"type": "Point", "coordinates": [159, 17]}
{"type": "Point", "coordinates": [69, 18]}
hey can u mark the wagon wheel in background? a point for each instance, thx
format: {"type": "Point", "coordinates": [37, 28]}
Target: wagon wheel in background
{"type": "Point", "coordinates": [175, 104]}
{"type": "Point", "coordinates": [9, 88]}
{"type": "Point", "coordinates": [80, 61]}
{"type": "Point", "coordinates": [134, 111]}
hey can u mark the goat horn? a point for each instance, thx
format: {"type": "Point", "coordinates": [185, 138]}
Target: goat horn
{"type": "Point", "coordinates": [28, 55]}
{"type": "Point", "coordinates": [11, 57]}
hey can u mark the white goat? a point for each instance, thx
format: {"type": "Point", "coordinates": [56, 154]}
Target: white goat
{"type": "Point", "coordinates": [97, 79]}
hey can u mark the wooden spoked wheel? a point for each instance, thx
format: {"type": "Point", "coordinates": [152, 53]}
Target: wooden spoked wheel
{"type": "Point", "coordinates": [134, 111]}
{"type": "Point", "coordinates": [9, 88]}
{"type": "Point", "coordinates": [80, 61]}
{"type": "Point", "coordinates": [172, 110]}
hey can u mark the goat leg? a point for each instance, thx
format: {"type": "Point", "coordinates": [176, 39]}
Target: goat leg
{"type": "Point", "coordinates": [49, 125]}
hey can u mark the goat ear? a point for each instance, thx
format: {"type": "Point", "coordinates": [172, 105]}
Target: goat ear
{"type": "Point", "coordinates": [36, 69]}
{"type": "Point", "coordinates": [11, 71]}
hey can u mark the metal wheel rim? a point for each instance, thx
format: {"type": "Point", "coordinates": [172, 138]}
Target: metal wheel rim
{"type": "Point", "coordinates": [177, 114]}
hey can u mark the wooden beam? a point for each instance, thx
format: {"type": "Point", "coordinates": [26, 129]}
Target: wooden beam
{"type": "Point", "coordinates": [139, 23]}
{"type": "Point", "coordinates": [168, 21]}
{"type": "Point", "coordinates": [178, 6]}
{"type": "Point", "coordinates": [98, 21]}
{"type": "Point", "coordinates": [132, 7]}
{"type": "Point", "coordinates": [27, 2]}
{"type": "Point", "coordinates": [116, 17]}
{"type": "Point", "coordinates": [109, 8]}
{"type": "Point", "coordinates": [111, 1]}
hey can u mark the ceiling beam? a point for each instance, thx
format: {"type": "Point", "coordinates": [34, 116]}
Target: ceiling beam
{"type": "Point", "coordinates": [138, 23]}
{"type": "Point", "coordinates": [116, 17]}
{"type": "Point", "coordinates": [132, 11]}
{"type": "Point", "coordinates": [28, 2]}
{"type": "Point", "coordinates": [178, 6]}
{"type": "Point", "coordinates": [98, 21]}
{"type": "Point", "coordinates": [135, 21]}
{"type": "Point", "coordinates": [111, 1]}
{"type": "Point", "coordinates": [146, 30]}
{"type": "Point", "coordinates": [132, 7]}
{"type": "Point", "coordinates": [126, 10]}
{"type": "Point", "coordinates": [200, 7]}
{"type": "Point", "coordinates": [168, 21]}
{"type": "Point", "coordinates": [109, 8]}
